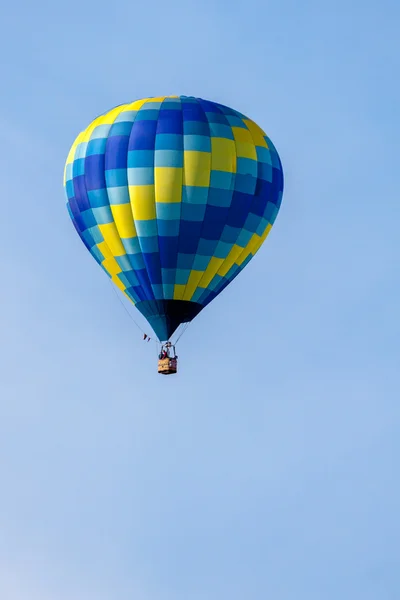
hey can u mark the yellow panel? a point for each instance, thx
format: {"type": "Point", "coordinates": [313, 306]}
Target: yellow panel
{"type": "Point", "coordinates": [104, 249]}
{"type": "Point", "coordinates": [136, 105]}
{"type": "Point", "coordinates": [246, 150]}
{"type": "Point", "coordinates": [212, 268]}
{"type": "Point", "coordinates": [106, 119]}
{"type": "Point", "coordinates": [197, 166]}
{"type": "Point", "coordinates": [168, 184]}
{"type": "Point", "coordinates": [112, 239]}
{"type": "Point", "coordinates": [111, 266]}
{"type": "Point", "coordinates": [115, 279]}
{"type": "Point", "coordinates": [254, 245]}
{"type": "Point", "coordinates": [230, 260]}
{"type": "Point", "coordinates": [179, 290]}
{"type": "Point", "coordinates": [257, 245]}
{"type": "Point", "coordinates": [242, 135]}
{"type": "Point", "coordinates": [193, 282]}
{"type": "Point", "coordinates": [142, 202]}
{"type": "Point", "coordinates": [71, 153]}
{"type": "Point", "coordinates": [156, 99]}
{"type": "Point", "coordinates": [257, 133]}
{"type": "Point", "coordinates": [123, 219]}
{"type": "Point", "coordinates": [223, 155]}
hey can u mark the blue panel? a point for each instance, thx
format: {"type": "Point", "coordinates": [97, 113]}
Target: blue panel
{"type": "Point", "coordinates": [69, 187]}
{"type": "Point", "coordinates": [146, 229]}
{"type": "Point", "coordinates": [88, 239]}
{"type": "Point", "coordinates": [103, 215]}
{"type": "Point", "coordinates": [96, 234]}
{"type": "Point", "coordinates": [101, 131]}
{"type": "Point", "coordinates": [144, 282]}
{"type": "Point", "coordinates": [118, 195]}
{"type": "Point", "coordinates": [230, 234]}
{"type": "Point", "coordinates": [80, 193]}
{"type": "Point", "coordinates": [193, 112]}
{"type": "Point", "coordinates": [116, 152]}
{"type": "Point", "coordinates": [216, 280]}
{"type": "Point", "coordinates": [168, 228]}
{"type": "Point", "coordinates": [139, 293]}
{"type": "Point", "coordinates": [206, 247]}
{"type": "Point", "coordinates": [239, 209]}
{"type": "Point", "coordinates": [137, 262]}
{"type": "Point", "coordinates": [97, 254]}
{"type": "Point", "coordinates": [214, 222]}
{"type": "Point", "coordinates": [196, 128]}
{"type": "Point", "coordinates": [265, 171]}
{"type": "Point", "coordinates": [197, 195]}
{"type": "Point", "coordinates": [220, 129]}
{"type": "Point", "coordinates": [168, 291]}
{"type": "Point", "coordinates": [222, 249]}
{"type": "Point", "coordinates": [168, 275]}
{"type": "Point", "coordinates": [152, 262]}
{"type": "Point", "coordinates": [182, 276]}
{"type": "Point", "coordinates": [217, 118]}
{"type": "Point", "coordinates": [94, 172]}
{"type": "Point", "coordinates": [222, 179]}
{"type": "Point", "coordinates": [121, 128]}
{"type": "Point", "coordinates": [124, 263]}
{"type": "Point", "coordinates": [140, 158]}
{"type": "Point", "coordinates": [149, 245]}
{"type": "Point", "coordinates": [88, 218]}
{"type": "Point", "coordinates": [263, 155]}
{"type": "Point", "coordinates": [141, 176]}
{"type": "Point", "coordinates": [220, 198]}
{"type": "Point", "coordinates": [132, 277]}
{"type": "Point", "coordinates": [143, 135]}
{"type": "Point", "coordinates": [146, 115]}
{"type": "Point", "coordinates": [98, 198]}
{"type": "Point", "coordinates": [200, 262]}
{"type": "Point", "coordinates": [68, 171]}
{"type": "Point", "coordinates": [131, 245]}
{"type": "Point", "coordinates": [168, 252]}
{"type": "Point", "coordinates": [261, 198]}
{"type": "Point", "coordinates": [192, 212]}
{"type": "Point", "coordinates": [116, 177]}
{"type": "Point", "coordinates": [126, 116]}
{"type": "Point", "coordinates": [158, 290]}
{"type": "Point", "coordinates": [246, 234]}
{"type": "Point", "coordinates": [235, 121]}
{"type": "Point", "coordinates": [170, 121]}
{"type": "Point", "coordinates": [261, 227]}
{"type": "Point", "coordinates": [169, 141]}
{"type": "Point", "coordinates": [168, 158]}
{"type": "Point", "coordinates": [197, 143]}
{"type": "Point", "coordinates": [208, 106]}
{"type": "Point", "coordinates": [189, 236]}
{"type": "Point", "coordinates": [185, 261]}
{"type": "Point", "coordinates": [78, 167]}
{"type": "Point", "coordinates": [170, 211]}
{"type": "Point", "coordinates": [96, 146]}
{"type": "Point", "coordinates": [245, 183]}
{"type": "Point", "coordinates": [247, 166]}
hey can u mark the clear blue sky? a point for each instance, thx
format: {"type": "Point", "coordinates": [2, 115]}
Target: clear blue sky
{"type": "Point", "coordinates": [269, 468]}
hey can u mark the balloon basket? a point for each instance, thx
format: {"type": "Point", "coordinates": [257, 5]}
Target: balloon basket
{"type": "Point", "coordinates": [167, 366]}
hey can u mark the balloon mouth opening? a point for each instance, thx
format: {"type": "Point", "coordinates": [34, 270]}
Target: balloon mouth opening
{"type": "Point", "coordinates": [165, 316]}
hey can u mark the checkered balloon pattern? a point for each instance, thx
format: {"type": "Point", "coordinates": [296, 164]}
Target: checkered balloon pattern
{"type": "Point", "coordinates": [173, 196]}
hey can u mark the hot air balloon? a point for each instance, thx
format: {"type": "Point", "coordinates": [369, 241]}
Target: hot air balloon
{"type": "Point", "coordinates": [173, 196]}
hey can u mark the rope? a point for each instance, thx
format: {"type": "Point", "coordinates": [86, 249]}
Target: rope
{"type": "Point", "coordinates": [129, 314]}
{"type": "Point", "coordinates": [184, 328]}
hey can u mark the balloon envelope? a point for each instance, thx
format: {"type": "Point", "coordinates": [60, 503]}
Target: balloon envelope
{"type": "Point", "coordinates": [173, 196]}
